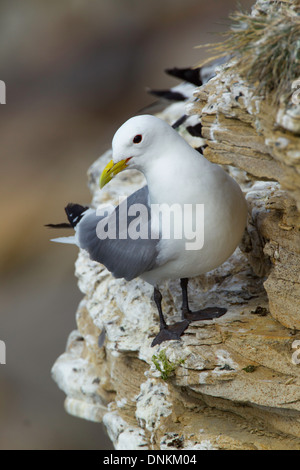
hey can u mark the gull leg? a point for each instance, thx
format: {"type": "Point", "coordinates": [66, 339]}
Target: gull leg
{"type": "Point", "coordinates": [166, 332]}
{"type": "Point", "coordinates": [185, 301]}
{"type": "Point", "coordinates": [208, 313]}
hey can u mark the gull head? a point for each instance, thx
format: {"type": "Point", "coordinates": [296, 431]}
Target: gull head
{"type": "Point", "coordinates": [137, 142]}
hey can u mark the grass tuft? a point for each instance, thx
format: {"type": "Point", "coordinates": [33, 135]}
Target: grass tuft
{"type": "Point", "coordinates": [266, 48]}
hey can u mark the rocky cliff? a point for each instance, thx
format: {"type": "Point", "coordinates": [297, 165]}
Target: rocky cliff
{"type": "Point", "coordinates": [233, 383]}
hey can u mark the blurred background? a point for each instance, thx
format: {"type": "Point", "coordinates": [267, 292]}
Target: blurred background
{"type": "Point", "coordinates": [74, 72]}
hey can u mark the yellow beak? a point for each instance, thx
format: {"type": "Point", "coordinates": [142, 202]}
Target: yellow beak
{"type": "Point", "coordinates": [111, 170]}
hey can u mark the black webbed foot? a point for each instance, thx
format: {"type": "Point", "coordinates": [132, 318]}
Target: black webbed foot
{"type": "Point", "coordinates": [172, 332]}
{"type": "Point", "coordinates": [208, 313]}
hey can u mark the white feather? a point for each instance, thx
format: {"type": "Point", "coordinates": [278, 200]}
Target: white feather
{"type": "Point", "coordinates": [70, 240]}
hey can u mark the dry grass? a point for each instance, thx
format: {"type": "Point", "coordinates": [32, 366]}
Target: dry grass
{"type": "Point", "coordinates": [266, 47]}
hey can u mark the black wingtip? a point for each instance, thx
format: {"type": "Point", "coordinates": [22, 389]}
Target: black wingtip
{"type": "Point", "coordinates": [169, 95]}
{"type": "Point", "coordinates": [191, 75]}
{"type": "Point", "coordinates": [74, 213]}
{"type": "Point", "coordinates": [195, 131]}
{"type": "Point", "coordinates": [63, 225]}
{"type": "Point", "coordinates": [179, 121]}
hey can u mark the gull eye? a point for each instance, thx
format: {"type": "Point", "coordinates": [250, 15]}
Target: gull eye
{"type": "Point", "coordinates": [137, 139]}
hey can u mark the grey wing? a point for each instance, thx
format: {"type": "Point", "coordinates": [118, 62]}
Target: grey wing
{"type": "Point", "coordinates": [122, 256]}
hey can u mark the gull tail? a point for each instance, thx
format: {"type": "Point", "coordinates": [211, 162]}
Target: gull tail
{"type": "Point", "coordinates": [69, 240]}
